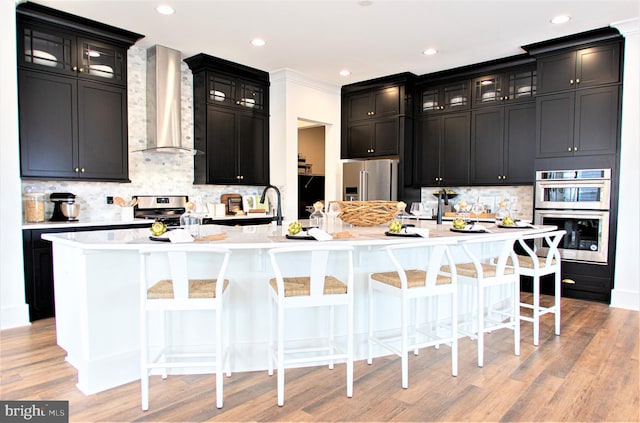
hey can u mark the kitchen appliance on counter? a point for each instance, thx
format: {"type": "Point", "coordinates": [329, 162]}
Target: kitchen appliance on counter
{"type": "Point", "coordinates": [163, 208]}
{"type": "Point", "coordinates": [368, 180]}
{"type": "Point", "coordinates": [65, 208]}
{"type": "Point", "coordinates": [579, 202]}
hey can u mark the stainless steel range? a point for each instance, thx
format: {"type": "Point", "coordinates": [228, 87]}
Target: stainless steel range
{"type": "Point", "coordinates": [163, 208]}
{"type": "Point", "coordinates": [579, 202]}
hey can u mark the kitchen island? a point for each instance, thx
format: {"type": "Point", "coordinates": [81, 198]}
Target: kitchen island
{"type": "Point", "coordinates": [97, 295]}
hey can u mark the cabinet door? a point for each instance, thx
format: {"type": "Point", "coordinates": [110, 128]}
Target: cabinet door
{"type": "Point", "coordinates": [38, 275]}
{"type": "Point", "coordinates": [253, 154]}
{"type": "Point", "coordinates": [598, 65]}
{"type": "Point", "coordinates": [519, 144]}
{"type": "Point", "coordinates": [554, 125]}
{"type": "Point", "coordinates": [252, 95]}
{"type": "Point", "coordinates": [359, 140]}
{"type": "Point", "coordinates": [221, 146]}
{"type": "Point", "coordinates": [386, 102]}
{"type": "Point", "coordinates": [359, 106]}
{"type": "Point", "coordinates": [488, 90]}
{"type": "Point", "coordinates": [487, 135]}
{"type": "Point", "coordinates": [428, 136]}
{"type": "Point", "coordinates": [556, 73]}
{"type": "Point", "coordinates": [102, 132]}
{"type": "Point", "coordinates": [455, 148]}
{"type": "Point", "coordinates": [596, 121]}
{"type": "Point", "coordinates": [48, 129]}
{"type": "Point", "coordinates": [46, 49]}
{"type": "Point", "coordinates": [386, 134]}
{"type": "Point", "coordinates": [101, 62]}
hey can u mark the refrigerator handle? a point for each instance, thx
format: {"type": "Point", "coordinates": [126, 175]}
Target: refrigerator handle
{"type": "Point", "coordinates": [364, 186]}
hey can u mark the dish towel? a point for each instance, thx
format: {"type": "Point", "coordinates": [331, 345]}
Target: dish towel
{"type": "Point", "coordinates": [319, 234]}
{"type": "Point", "coordinates": [180, 235]}
{"type": "Point", "coordinates": [423, 232]}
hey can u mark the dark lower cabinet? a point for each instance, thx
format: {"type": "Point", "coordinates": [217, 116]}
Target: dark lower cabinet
{"type": "Point", "coordinates": [38, 267]}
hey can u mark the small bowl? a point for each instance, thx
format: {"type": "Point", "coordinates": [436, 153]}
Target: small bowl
{"type": "Point", "coordinates": [70, 210]}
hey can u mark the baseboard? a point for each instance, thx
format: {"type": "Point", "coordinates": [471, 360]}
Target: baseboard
{"type": "Point", "coordinates": [629, 300]}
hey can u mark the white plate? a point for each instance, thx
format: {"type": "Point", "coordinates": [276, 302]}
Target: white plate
{"type": "Point", "coordinates": [43, 58]}
{"type": "Point", "coordinates": [101, 70]}
{"type": "Point", "coordinates": [248, 102]}
{"type": "Point", "coordinates": [456, 101]}
{"type": "Point", "coordinates": [428, 105]}
{"type": "Point", "coordinates": [218, 95]}
{"type": "Point", "coordinates": [491, 95]}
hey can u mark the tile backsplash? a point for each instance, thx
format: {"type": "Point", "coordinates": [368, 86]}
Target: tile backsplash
{"type": "Point", "coordinates": [151, 173]}
{"type": "Point", "coordinates": [519, 196]}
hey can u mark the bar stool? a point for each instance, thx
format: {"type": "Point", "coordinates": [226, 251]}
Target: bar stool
{"type": "Point", "coordinates": [483, 273]}
{"type": "Point", "coordinates": [536, 266]}
{"type": "Point", "coordinates": [302, 280]}
{"type": "Point", "coordinates": [416, 275]}
{"type": "Point", "coordinates": [175, 279]}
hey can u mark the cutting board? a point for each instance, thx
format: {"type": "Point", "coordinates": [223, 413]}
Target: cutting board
{"type": "Point", "coordinates": [231, 201]}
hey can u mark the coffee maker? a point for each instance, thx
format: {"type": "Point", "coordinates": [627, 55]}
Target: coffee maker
{"type": "Point", "coordinates": [66, 200]}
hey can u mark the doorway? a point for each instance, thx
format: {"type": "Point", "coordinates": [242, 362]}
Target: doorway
{"type": "Point", "coordinates": [311, 166]}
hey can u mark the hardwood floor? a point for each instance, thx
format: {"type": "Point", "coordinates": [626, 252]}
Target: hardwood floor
{"type": "Point", "coordinates": [589, 373]}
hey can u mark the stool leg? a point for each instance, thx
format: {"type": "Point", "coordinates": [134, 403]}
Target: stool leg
{"type": "Point", "coordinates": [480, 326]}
{"type": "Point", "coordinates": [331, 336]}
{"type": "Point", "coordinates": [416, 311]}
{"type": "Point", "coordinates": [516, 316]}
{"type": "Point", "coordinates": [557, 299]}
{"type": "Point", "coordinates": [536, 310]}
{"type": "Point", "coordinates": [219, 359]}
{"type": "Point", "coordinates": [280, 318]}
{"type": "Point", "coordinates": [454, 335]}
{"type": "Point", "coordinates": [404, 347]}
{"type": "Point", "coordinates": [144, 372]}
{"type": "Point", "coordinates": [350, 349]}
{"type": "Point", "coordinates": [163, 322]}
{"type": "Point", "coordinates": [369, 342]}
{"type": "Point", "coordinates": [272, 329]}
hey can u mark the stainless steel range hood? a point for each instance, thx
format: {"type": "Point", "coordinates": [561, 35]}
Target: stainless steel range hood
{"type": "Point", "coordinates": [163, 101]}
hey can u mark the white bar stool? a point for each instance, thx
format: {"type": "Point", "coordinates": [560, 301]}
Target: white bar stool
{"type": "Point", "coordinates": [302, 280]}
{"type": "Point", "coordinates": [416, 275]}
{"type": "Point", "coordinates": [179, 289]}
{"type": "Point", "coordinates": [536, 266]}
{"type": "Point", "coordinates": [486, 270]}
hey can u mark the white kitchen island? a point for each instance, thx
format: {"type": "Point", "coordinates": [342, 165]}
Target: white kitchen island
{"type": "Point", "coordinates": [97, 296]}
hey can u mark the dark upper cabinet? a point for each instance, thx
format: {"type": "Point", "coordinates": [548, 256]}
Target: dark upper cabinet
{"type": "Point", "coordinates": [442, 150]}
{"type": "Point", "coordinates": [372, 122]}
{"type": "Point", "coordinates": [503, 145]}
{"type": "Point", "coordinates": [375, 104]}
{"type": "Point", "coordinates": [72, 98]}
{"type": "Point", "coordinates": [513, 86]}
{"type": "Point", "coordinates": [580, 123]}
{"type": "Point", "coordinates": [448, 97]}
{"type": "Point", "coordinates": [231, 122]}
{"type": "Point", "coordinates": [581, 68]}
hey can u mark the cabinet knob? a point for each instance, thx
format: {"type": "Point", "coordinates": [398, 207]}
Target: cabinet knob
{"type": "Point", "coordinates": [575, 148]}
{"type": "Point", "coordinates": [577, 80]}
{"type": "Point", "coordinates": [76, 170]}
{"type": "Point", "coordinates": [504, 177]}
{"type": "Point", "coordinates": [75, 68]}
{"type": "Point", "coordinates": [499, 177]}
{"type": "Point", "coordinates": [82, 170]}
{"type": "Point", "coordinates": [571, 81]}
{"type": "Point", "coordinates": [238, 102]}
{"type": "Point", "coordinates": [81, 70]}
{"type": "Point", "coordinates": [441, 107]}
{"type": "Point", "coordinates": [506, 97]}
{"type": "Point", "coordinates": [569, 149]}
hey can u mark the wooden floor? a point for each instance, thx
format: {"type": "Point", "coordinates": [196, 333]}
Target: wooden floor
{"type": "Point", "coordinates": [589, 373]}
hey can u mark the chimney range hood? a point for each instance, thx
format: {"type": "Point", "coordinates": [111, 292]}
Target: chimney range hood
{"type": "Point", "coordinates": [163, 102]}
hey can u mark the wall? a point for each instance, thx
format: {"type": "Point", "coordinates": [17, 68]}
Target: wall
{"type": "Point", "coordinates": [311, 146]}
{"type": "Point", "coordinates": [151, 173]}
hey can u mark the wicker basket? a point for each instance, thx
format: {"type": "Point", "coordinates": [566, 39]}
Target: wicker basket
{"type": "Point", "coordinates": [367, 213]}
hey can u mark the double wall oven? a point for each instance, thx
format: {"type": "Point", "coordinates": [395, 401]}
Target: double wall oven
{"type": "Point", "coordinates": [579, 202]}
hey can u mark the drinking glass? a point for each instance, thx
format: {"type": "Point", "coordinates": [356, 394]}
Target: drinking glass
{"type": "Point", "coordinates": [477, 209]}
{"type": "Point", "coordinates": [417, 209]}
{"type": "Point", "coordinates": [334, 209]}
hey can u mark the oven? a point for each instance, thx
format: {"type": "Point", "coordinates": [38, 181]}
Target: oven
{"type": "Point", "coordinates": [577, 201]}
{"type": "Point", "coordinates": [162, 208]}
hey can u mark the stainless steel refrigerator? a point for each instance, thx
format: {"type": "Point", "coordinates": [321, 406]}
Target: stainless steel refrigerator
{"type": "Point", "coordinates": [368, 180]}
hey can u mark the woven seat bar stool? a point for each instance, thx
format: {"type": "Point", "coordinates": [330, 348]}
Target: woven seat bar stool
{"type": "Point", "coordinates": [416, 275]}
{"type": "Point", "coordinates": [302, 281]}
{"type": "Point", "coordinates": [176, 279]}
{"type": "Point", "coordinates": [488, 269]}
{"type": "Point", "coordinates": [536, 265]}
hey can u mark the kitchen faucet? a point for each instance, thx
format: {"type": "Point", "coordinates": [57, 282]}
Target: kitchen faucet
{"type": "Point", "coordinates": [279, 207]}
{"type": "Point", "coordinates": [442, 194]}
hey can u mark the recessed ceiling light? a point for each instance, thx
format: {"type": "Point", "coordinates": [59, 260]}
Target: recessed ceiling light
{"type": "Point", "coordinates": [560, 19]}
{"type": "Point", "coordinates": [345, 72]}
{"type": "Point", "coordinates": [365, 2]}
{"type": "Point", "coordinates": [430, 52]}
{"type": "Point", "coordinates": [165, 9]}
{"type": "Point", "coordinates": [258, 42]}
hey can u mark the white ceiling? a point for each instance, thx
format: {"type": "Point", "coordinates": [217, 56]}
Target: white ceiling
{"type": "Point", "coordinates": [318, 38]}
